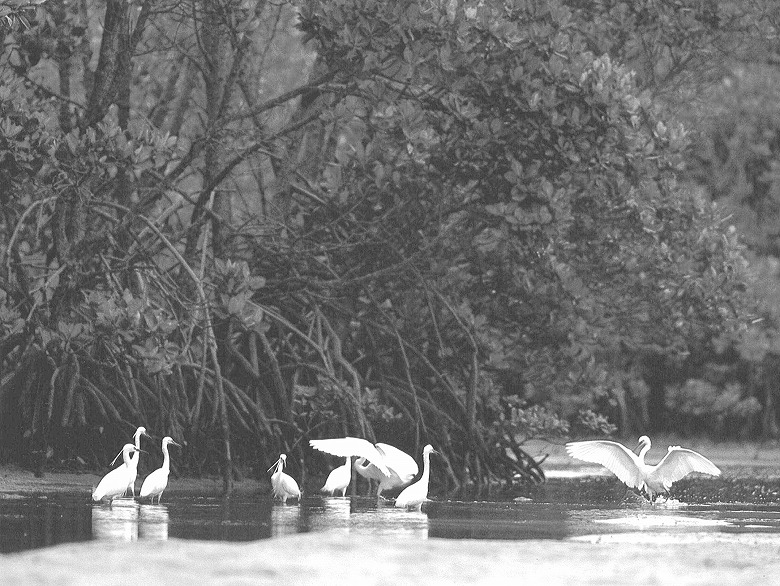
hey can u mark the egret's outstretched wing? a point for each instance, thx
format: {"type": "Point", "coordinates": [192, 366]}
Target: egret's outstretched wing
{"type": "Point", "coordinates": [351, 446]}
{"type": "Point", "coordinates": [614, 456]}
{"type": "Point", "coordinates": [678, 463]}
{"type": "Point", "coordinates": [398, 461]}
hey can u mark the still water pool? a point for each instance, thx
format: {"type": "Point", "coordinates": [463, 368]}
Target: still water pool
{"type": "Point", "coordinates": [33, 521]}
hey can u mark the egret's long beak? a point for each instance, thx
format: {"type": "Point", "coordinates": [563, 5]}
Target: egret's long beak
{"type": "Point", "coordinates": [274, 465]}
{"type": "Point", "coordinates": [175, 444]}
{"type": "Point", "coordinates": [115, 458]}
{"type": "Point", "coordinates": [120, 453]}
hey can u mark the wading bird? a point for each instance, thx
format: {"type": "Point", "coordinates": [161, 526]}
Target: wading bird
{"type": "Point", "coordinates": [134, 460]}
{"type": "Point", "coordinates": [157, 481]}
{"type": "Point", "coordinates": [115, 483]}
{"type": "Point", "coordinates": [414, 495]}
{"type": "Point", "coordinates": [382, 462]}
{"type": "Point", "coordinates": [283, 484]}
{"type": "Point", "coordinates": [339, 478]}
{"type": "Point", "coordinates": [632, 470]}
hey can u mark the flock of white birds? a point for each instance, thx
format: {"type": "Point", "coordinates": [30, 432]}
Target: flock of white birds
{"type": "Point", "coordinates": [393, 468]}
{"type": "Point", "coordinates": [117, 482]}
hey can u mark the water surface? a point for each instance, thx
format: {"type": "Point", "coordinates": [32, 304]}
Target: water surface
{"type": "Point", "coordinates": [563, 511]}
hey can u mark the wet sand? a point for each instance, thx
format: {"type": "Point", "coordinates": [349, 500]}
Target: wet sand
{"type": "Point", "coordinates": [322, 558]}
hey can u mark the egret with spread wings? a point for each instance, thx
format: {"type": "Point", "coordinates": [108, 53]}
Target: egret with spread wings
{"type": "Point", "coordinates": [383, 462]}
{"type": "Point", "coordinates": [632, 470]}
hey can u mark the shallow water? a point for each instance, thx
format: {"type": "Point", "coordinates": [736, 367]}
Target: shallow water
{"type": "Point", "coordinates": [560, 511]}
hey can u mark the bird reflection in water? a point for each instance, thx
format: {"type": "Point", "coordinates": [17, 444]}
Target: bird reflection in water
{"type": "Point", "coordinates": [126, 520]}
{"type": "Point", "coordinates": [386, 520]}
{"type": "Point", "coordinates": [355, 516]}
{"type": "Point", "coordinates": [287, 520]}
{"type": "Point", "coordinates": [153, 522]}
{"type": "Point", "coordinates": [329, 514]}
{"type": "Point", "coordinates": [119, 522]}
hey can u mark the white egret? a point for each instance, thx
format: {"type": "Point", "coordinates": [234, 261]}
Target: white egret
{"type": "Point", "coordinates": [283, 484]}
{"type": "Point", "coordinates": [115, 483]}
{"type": "Point", "coordinates": [386, 463]}
{"type": "Point", "coordinates": [157, 481]}
{"type": "Point", "coordinates": [414, 495]}
{"type": "Point", "coordinates": [339, 478]}
{"type": "Point", "coordinates": [632, 470]}
{"type": "Point", "coordinates": [134, 460]}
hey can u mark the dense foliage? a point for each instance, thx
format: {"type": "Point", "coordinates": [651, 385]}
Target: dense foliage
{"type": "Point", "coordinates": [245, 225]}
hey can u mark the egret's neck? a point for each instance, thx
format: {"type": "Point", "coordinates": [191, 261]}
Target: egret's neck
{"type": "Point", "coordinates": [134, 456]}
{"type": "Point", "coordinates": [426, 467]}
{"type": "Point", "coordinates": [643, 451]}
{"type": "Point", "coordinates": [166, 458]}
{"type": "Point", "coordinates": [127, 458]}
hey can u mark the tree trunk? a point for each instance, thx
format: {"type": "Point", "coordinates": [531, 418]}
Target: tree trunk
{"type": "Point", "coordinates": [63, 65]}
{"type": "Point", "coordinates": [116, 26]}
{"type": "Point", "coordinates": [183, 101]}
{"type": "Point", "coordinates": [219, 62]}
{"type": "Point", "coordinates": [167, 99]}
{"type": "Point", "coordinates": [310, 146]}
{"type": "Point", "coordinates": [110, 82]}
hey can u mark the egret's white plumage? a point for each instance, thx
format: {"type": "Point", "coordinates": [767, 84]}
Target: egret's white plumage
{"type": "Point", "coordinates": [632, 470]}
{"type": "Point", "coordinates": [157, 481]}
{"type": "Point", "coordinates": [401, 465]}
{"type": "Point", "coordinates": [339, 478]}
{"type": "Point", "coordinates": [383, 462]}
{"type": "Point", "coordinates": [134, 458]}
{"type": "Point", "coordinates": [352, 446]}
{"type": "Point", "coordinates": [115, 483]}
{"type": "Point", "coordinates": [284, 485]}
{"type": "Point", "coordinates": [414, 495]}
